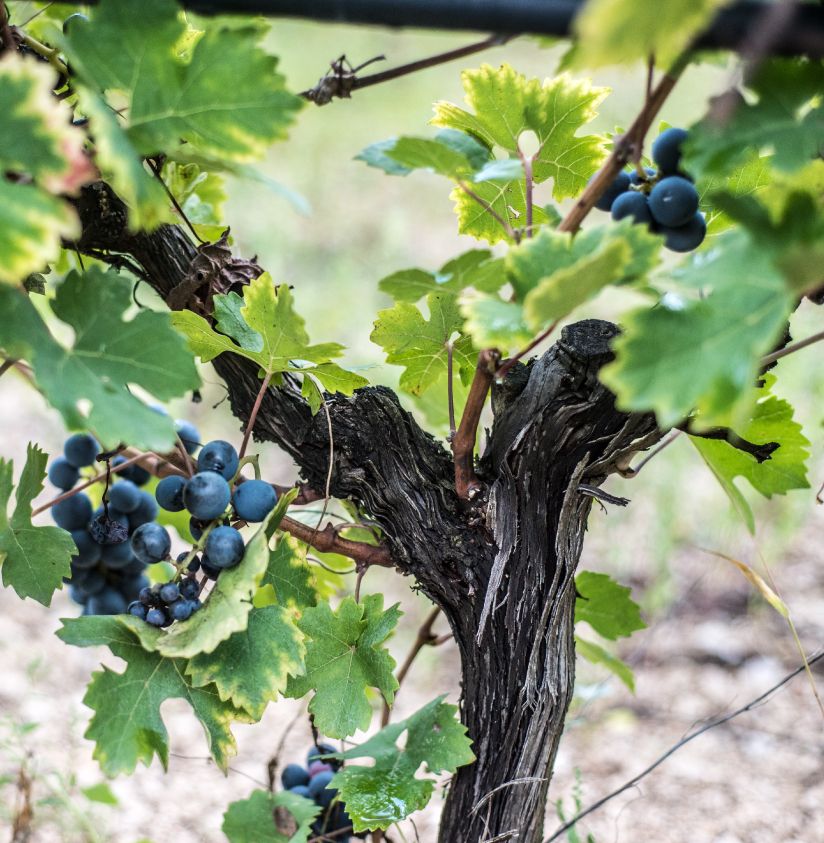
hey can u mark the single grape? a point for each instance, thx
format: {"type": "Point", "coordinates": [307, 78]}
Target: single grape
{"type": "Point", "coordinates": [318, 767]}
{"type": "Point", "coordinates": [169, 593]}
{"type": "Point", "coordinates": [253, 500]}
{"type": "Point", "coordinates": [124, 496]}
{"type": "Point", "coordinates": [687, 237]}
{"type": "Point", "coordinates": [319, 783]}
{"type": "Point", "coordinates": [224, 547]}
{"type": "Point", "coordinates": [136, 473]}
{"type": "Point", "coordinates": [636, 179]}
{"type": "Point", "coordinates": [207, 495]}
{"type": "Point", "coordinates": [88, 550]}
{"type": "Point", "coordinates": [180, 610]}
{"type": "Point", "coordinates": [318, 750]}
{"type": "Point", "coordinates": [74, 513]}
{"type": "Point", "coordinates": [189, 435]}
{"type": "Point", "coordinates": [294, 775]}
{"type": "Point", "coordinates": [619, 185]}
{"type": "Point", "coordinates": [634, 205]}
{"type": "Point", "coordinates": [151, 543]}
{"type": "Point", "coordinates": [210, 570]}
{"type": "Point", "coordinates": [137, 609]}
{"type": "Point", "coordinates": [146, 512]}
{"type": "Point", "coordinates": [63, 474]}
{"type": "Point", "coordinates": [196, 604]}
{"type": "Point", "coordinates": [189, 588]}
{"type": "Point", "coordinates": [156, 617]}
{"type": "Point", "coordinates": [169, 493]}
{"type": "Point", "coordinates": [193, 566]}
{"type": "Point", "coordinates": [218, 456]}
{"type": "Point", "coordinates": [77, 19]}
{"type": "Point", "coordinates": [673, 201]}
{"type": "Point", "coordinates": [300, 790]}
{"type": "Point", "coordinates": [108, 601]}
{"type": "Point", "coordinates": [196, 528]}
{"type": "Point", "coordinates": [666, 150]}
{"type": "Point", "coordinates": [81, 449]}
{"type": "Point", "coordinates": [116, 556]}
{"type": "Point", "coordinates": [146, 597]}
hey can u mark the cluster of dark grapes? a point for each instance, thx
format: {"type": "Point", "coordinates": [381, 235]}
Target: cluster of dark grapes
{"type": "Point", "coordinates": [105, 573]}
{"type": "Point", "coordinates": [312, 782]}
{"type": "Point", "coordinates": [665, 200]}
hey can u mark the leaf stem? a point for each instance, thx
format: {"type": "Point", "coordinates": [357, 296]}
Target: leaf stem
{"type": "Point", "coordinates": [51, 54]}
{"type": "Point", "coordinates": [510, 231]}
{"type": "Point", "coordinates": [253, 415]}
{"type": "Point", "coordinates": [792, 348]}
{"type": "Point", "coordinates": [450, 391]}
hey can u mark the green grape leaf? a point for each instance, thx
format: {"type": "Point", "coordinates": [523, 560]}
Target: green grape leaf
{"type": "Point", "coordinates": [108, 355]}
{"type": "Point", "coordinates": [33, 560]}
{"type": "Point", "coordinates": [684, 355]}
{"type": "Point", "coordinates": [476, 268]}
{"type": "Point", "coordinates": [201, 194]}
{"type": "Point", "coordinates": [749, 179]}
{"type": "Point", "coordinates": [595, 654]}
{"type": "Point", "coordinates": [126, 726]}
{"type": "Point", "coordinates": [282, 817]}
{"type": "Point", "coordinates": [606, 606]}
{"type": "Point", "coordinates": [288, 579]}
{"type": "Point", "coordinates": [787, 119]}
{"type": "Point", "coordinates": [786, 469]}
{"type": "Point", "coordinates": [389, 791]}
{"type": "Point", "coordinates": [421, 346]}
{"type": "Point", "coordinates": [506, 199]}
{"type": "Point", "coordinates": [250, 668]}
{"type": "Point", "coordinates": [430, 154]}
{"type": "Point", "coordinates": [226, 611]}
{"type": "Point", "coordinates": [264, 327]}
{"type": "Point", "coordinates": [506, 104]}
{"type": "Point", "coordinates": [121, 165]}
{"type": "Point", "coordinates": [32, 226]}
{"type": "Point", "coordinates": [377, 155]}
{"type": "Point", "coordinates": [662, 29]}
{"type": "Point", "coordinates": [495, 323]}
{"type": "Point", "coordinates": [221, 97]}
{"type": "Point", "coordinates": [344, 657]}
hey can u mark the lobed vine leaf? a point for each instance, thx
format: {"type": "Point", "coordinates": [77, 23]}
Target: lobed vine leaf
{"type": "Point", "coordinates": [606, 606]}
{"type": "Point", "coordinates": [250, 668]}
{"type": "Point", "coordinates": [33, 560]}
{"type": "Point", "coordinates": [420, 346]}
{"type": "Point", "coordinates": [344, 657]}
{"type": "Point", "coordinates": [288, 579]}
{"type": "Point", "coordinates": [595, 654]}
{"type": "Point", "coordinates": [786, 469]}
{"type": "Point", "coordinates": [383, 794]}
{"type": "Point", "coordinates": [126, 726]}
{"type": "Point", "coordinates": [265, 817]}
{"type": "Point", "coordinates": [109, 354]}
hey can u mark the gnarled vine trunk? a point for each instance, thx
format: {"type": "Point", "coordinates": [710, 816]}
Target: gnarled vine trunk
{"type": "Point", "coordinates": [501, 568]}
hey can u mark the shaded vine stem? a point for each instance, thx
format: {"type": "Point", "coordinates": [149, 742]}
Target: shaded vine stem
{"type": "Point", "coordinates": [247, 434]}
{"type": "Point", "coordinates": [327, 540]}
{"type": "Point", "coordinates": [536, 341]}
{"type": "Point", "coordinates": [711, 724]}
{"type": "Point", "coordinates": [425, 636]}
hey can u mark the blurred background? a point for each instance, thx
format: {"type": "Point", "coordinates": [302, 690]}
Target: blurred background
{"type": "Point", "coordinates": [711, 644]}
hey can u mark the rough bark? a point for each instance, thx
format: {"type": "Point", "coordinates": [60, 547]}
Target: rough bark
{"type": "Point", "coordinates": [501, 567]}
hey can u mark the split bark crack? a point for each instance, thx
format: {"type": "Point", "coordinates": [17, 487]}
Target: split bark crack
{"type": "Point", "coordinates": [501, 569]}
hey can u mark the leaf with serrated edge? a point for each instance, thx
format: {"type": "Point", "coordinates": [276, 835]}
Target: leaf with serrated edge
{"type": "Point", "coordinates": [786, 469]}
{"type": "Point", "coordinates": [419, 345]}
{"type": "Point", "coordinates": [253, 820]}
{"type": "Point", "coordinates": [606, 606]}
{"type": "Point", "coordinates": [345, 656]}
{"type": "Point", "coordinates": [181, 99]}
{"type": "Point", "coordinates": [126, 726]}
{"type": "Point", "coordinates": [378, 796]}
{"type": "Point", "coordinates": [226, 611]}
{"type": "Point", "coordinates": [506, 104]}
{"type": "Point", "coordinates": [595, 654]}
{"type": "Point", "coordinates": [288, 577]}
{"type": "Point", "coordinates": [33, 560]}
{"type": "Point", "coordinates": [250, 668]}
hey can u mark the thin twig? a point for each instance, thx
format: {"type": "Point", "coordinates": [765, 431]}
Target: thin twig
{"type": "Point", "coordinates": [450, 390]}
{"type": "Point", "coordinates": [467, 484]}
{"type": "Point", "coordinates": [529, 182]}
{"type": "Point", "coordinates": [712, 724]}
{"type": "Point", "coordinates": [156, 171]}
{"type": "Point", "coordinates": [247, 434]}
{"type": "Point", "coordinates": [425, 636]}
{"type": "Point", "coordinates": [792, 348]}
{"type": "Point", "coordinates": [536, 341]}
{"type": "Point", "coordinates": [630, 472]}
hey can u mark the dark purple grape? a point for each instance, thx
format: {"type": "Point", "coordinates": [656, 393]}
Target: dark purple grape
{"type": "Point", "coordinates": [224, 546]}
{"type": "Point", "coordinates": [618, 186]}
{"type": "Point", "coordinates": [109, 529]}
{"type": "Point", "coordinates": [156, 617]}
{"type": "Point", "coordinates": [169, 593]}
{"type": "Point", "coordinates": [136, 473]}
{"type": "Point", "coordinates": [108, 601]}
{"type": "Point", "coordinates": [88, 550]}
{"type": "Point", "coordinates": [116, 556]}
{"type": "Point", "coordinates": [318, 767]}
{"type": "Point", "coordinates": [146, 597]}
{"type": "Point", "coordinates": [169, 493]}
{"type": "Point", "coordinates": [124, 496]}
{"type": "Point", "coordinates": [74, 513]}
{"type": "Point", "coordinates": [300, 790]}
{"type": "Point", "coordinates": [180, 610]}
{"type": "Point", "coordinates": [189, 435]}
{"type": "Point", "coordinates": [319, 750]}
{"type": "Point", "coordinates": [63, 474]}
{"type": "Point", "coordinates": [137, 609]}
{"type": "Point", "coordinates": [254, 500]}
{"type": "Point", "coordinates": [206, 495]}
{"type": "Point", "coordinates": [319, 783]}
{"type": "Point", "coordinates": [687, 237]}
{"type": "Point", "coordinates": [151, 543]}
{"type": "Point", "coordinates": [189, 589]}
{"type": "Point", "coordinates": [673, 201]}
{"type": "Point", "coordinates": [294, 775]}
{"type": "Point", "coordinates": [145, 513]}
{"type": "Point", "coordinates": [218, 456]}
{"type": "Point", "coordinates": [81, 449]}
{"type": "Point", "coordinates": [666, 150]}
{"type": "Point", "coordinates": [634, 205]}
{"type": "Point", "coordinates": [210, 570]}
